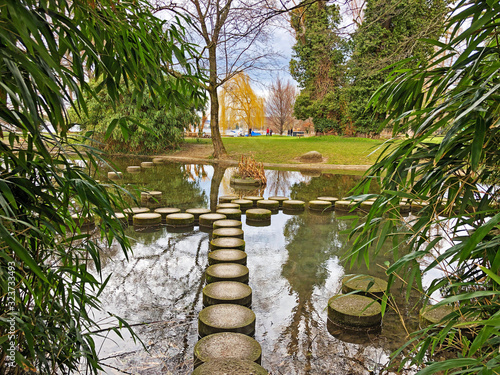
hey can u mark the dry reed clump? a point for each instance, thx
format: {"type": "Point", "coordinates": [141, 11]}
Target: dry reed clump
{"type": "Point", "coordinates": [249, 168]}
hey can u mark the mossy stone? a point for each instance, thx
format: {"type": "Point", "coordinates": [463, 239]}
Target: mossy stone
{"type": "Point", "coordinates": [150, 196]}
{"type": "Point", "coordinates": [254, 199]}
{"type": "Point", "coordinates": [164, 211]}
{"type": "Point", "coordinates": [121, 217]}
{"type": "Point", "coordinates": [227, 205]}
{"type": "Point", "coordinates": [227, 292]}
{"type": "Point", "coordinates": [366, 205]}
{"type": "Point", "coordinates": [435, 315]}
{"type": "Point", "coordinates": [227, 256]}
{"type": "Point", "coordinates": [228, 232]}
{"type": "Point", "coordinates": [147, 164]}
{"type": "Point", "coordinates": [264, 223]}
{"type": "Point", "coordinates": [354, 310]}
{"type": "Point", "coordinates": [319, 205]}
{"type": "Point", "coordinates": [115, 175]}
{"type": "Point", "coordinates": [294, 205]}
{"type": "Point", "coordinates": [258, 214]}
{"type": "Point", "coordinates": [369, 286]}
{"type": "Point", "coordinates": [268, 204]}
{"type": "Point", "coordinates": [332, 200]}
{"type": "Point", "coordinates": [227, 345]}
{"type": "Point", "coordinates": [227, 224]}
{"type": "Point", "coordinates": [227, 272]}
{"type": "Point", "coordinates": [245, 181]}
{"type": "Point", "coordinates": [245, 204]}
{"type": "Point", "coordinates": [134, 211]}
{"type": "Point", "coordinates": [230, 367]}
{"type": "Point", "coordinates": [343, 205]}
{"type": "Point", "coordinates": [279, 199]}
{"type": "Point", "coordinates": [207, 220]}
{"type": "Point", "coordinates": [226, 318]}
{"type": "Point", "coordinates": [404, 207]}
{"type": "Point", "coordinates": [180, 220]}
{"type": "Point", "coordinates": [134, 169]}
{"type": "Point", "coordinates": [227, 243]}
{"type": "Point", "coordinates": [158, 161]}
{"type": "Point", "coordinates": [197, 212]}
{"type": "Point", "coordinates": [227, 198]}
{"type": "Point", "coordinates": [231, 213]}
{"type": "Point", "coordinates": [146, 219]}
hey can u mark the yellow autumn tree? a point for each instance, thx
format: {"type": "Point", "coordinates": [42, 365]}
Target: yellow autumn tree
{"type": "Point", "coordinates": [239, 105]}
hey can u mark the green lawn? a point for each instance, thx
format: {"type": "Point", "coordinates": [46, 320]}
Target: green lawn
{"type": "Point", "coordinates": [277, 149]}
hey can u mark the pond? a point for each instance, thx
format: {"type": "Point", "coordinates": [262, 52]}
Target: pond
{"type": "Point", "coordinates": [296, 264]}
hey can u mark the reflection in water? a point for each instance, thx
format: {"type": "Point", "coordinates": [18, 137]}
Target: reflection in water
{"type": "Point", "coordinates": [294, 265]}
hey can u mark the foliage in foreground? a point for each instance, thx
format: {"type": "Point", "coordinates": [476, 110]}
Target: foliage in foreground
{"type": "Point", "coordinates": [50, 271]}
{"type": "Point", "coordinates": [458, 231]}
{"type": "Point", "coordinates": [155, 129]}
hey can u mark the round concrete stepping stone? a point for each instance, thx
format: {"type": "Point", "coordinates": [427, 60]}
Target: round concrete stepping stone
{"type": "Point", "coordinates": [245, 181]}
{"type": "Point", "coordinates": [134, 169]}
{"type": "Point", "coordinates": [354, 310]}
{"type": "Point", "coordinates": [343, 205]}
{"type": "Point", "coordinates": [265, 223]}
{"type": "Point", "coordinates": [254, 199]}
{"type": "Point", "coordinates": [150, 196]}
{"type": "Point", "coordinates": [147, 164]}
{"type": "Point", "coordinates": [435, 315]}
{"type": "Point", "coordinates": [227, 272]}
{"type": "Point", "coordinates": [231, 213]}
{"type": "Point", "coordinates": [121, 217]}
{"type": "Point", "coordinates": [245, 204]}
{"type": "Point", "coordinates": [228, 232]}
{"type": "Point", "coordinates": [115, 175]}
{"type": "Point", "coordinates": [227, 256]}
{"type": "Point", "coordinates": [134, 211]}
{"type": "Point", "coordinates": [295, 205]}
{"type": "Point", "coordinates": [82, 221]}
{"type": "Point", "coordinates": [268, 204]}
{"type": "Point", "coordinates": [158, 161]}
{"type": "Point", "coordinates": [279, 199]}
{"type": "Point", "coordinates": [366, 205]}
{"type": "Point", "coordinates": [230, 367]}
{"type": "Point", "coordinates": [179, 220]}
{"type": "Point", "coordinates": [207, 220]}
{"type": "Point", "coordinates": [369, 286]}
{"type": "Point", "coordinates": [417, 205]}
{"type": "Point", "coordinates": [227, 243]}
{"type": "Point", "coordinates": [226, 318]}
{"type": "Point", "coordinates": [227, 345]}
{"type": "Point", "coordinates": [147, 219]}
{"type": "Point", "coordinates": [197, 212]}
{"type": "Point", "coordinates": [332, 200]}
{"type": "Point", "coordinates": [319, 205]}
{"type": "Point", "coordinates": [258, 214]}
{"type": "Point", "coordinates": [227, 198]}
{"type": "Point", "coordinates": [227, 292]}
{"type": "Point", "coordinates": [227, 205]}
{"type": "Point", "coordinates": [404, 207]}
{"type": "Point", "coordinates": [164, 211]}
{"type": "Point", "coordinates": [227, 224]}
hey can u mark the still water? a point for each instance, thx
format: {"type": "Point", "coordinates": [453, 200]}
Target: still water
{"type": "Point", "coordinates": [296, 264]}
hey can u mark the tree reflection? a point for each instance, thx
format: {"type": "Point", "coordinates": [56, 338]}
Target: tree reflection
{"type": "Point", "coordinates": [278, 182]}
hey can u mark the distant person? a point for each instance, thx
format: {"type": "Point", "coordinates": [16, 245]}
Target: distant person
{"type": "Point", "coordinates": [270, 132]}
{"type": "Point", "coordinates": [267, 132]}
{"type": "Point", "coordinates": [249, 132]}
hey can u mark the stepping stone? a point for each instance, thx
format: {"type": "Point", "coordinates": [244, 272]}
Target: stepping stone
{"type": "Point", "coordinates": [279, 199]}
{"type": "Point", "coordinates": [245, 204]}
{"type": "Point", "coordinates": [147, 219]}
{"type": "Point", "coordinates": [435, 315]}
{"type": "Point", "coordinates": [150, 196]}
{"type": "Point", "coordinates": [343, 205]}
{"type": "Point", "coordinates": [294, 205]}
{"type": "Point", "coordinates": [228, 232]}
{"type": "Point", "coordinates": [265, 223]}
{"type": "Point", "coordinates": [164, 211]}
{"type": "Point", "coordinates": [227, 243]}
{"type": "Point", "coordinates": [227, 272]}
{"type": "Point", "coordinates": [231, 213]}
{"type": "Point", "coordinates": [158, 161]}
{"type": "Point", "coordinates": [227, 256]}
{"type": "Point", "coordinates": [134, 169]}
{"type": "Point", "coordinates": [228, 205]}
{"type": "Point", "coordinates": [227, 292]}
{"type": "Point", "coordinates": [179, 220]}
{"type": "Point", "coordinates": [319, 205]}
{"type": "Point", "coordinates": [147, 164]}
{"type": "Point", "coordinates": [230, 367]}
{"type": "Point", "coordinates": [207, 220]}
{"type": "Point", "coordinates": [227, 198]}
{"type": "Point", "coordinates": [354, 310]}
{"type": "Point", "coordinates": [121, 217]}
{"type": "Point", "coordinates": [268, 204]}
{"type": "Point", "coordinates": [258, 214]}
{"type": "Point", "coordinates": [369, 286]}
{"type": "Point", "coordinates": [134, 211]}
{"type": "Point", "coordinates": [226, 318]}
{"type": "Point", "coordinates": [115, 175]}
{"type": "Point", "coordinates": [332, 200]}
{"type": "Point", "coordinates": [197, 212]}
{"type": "Point", "coordinates": [227, 345]}
{"type": "Point", "coordinates": [366, 205]}
{"type": "Point", "coordinates": [227, 224]}
{"type": "Point", "coordinates": [254, 199]}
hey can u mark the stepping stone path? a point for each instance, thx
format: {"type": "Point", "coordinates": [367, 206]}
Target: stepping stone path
{"type": "Point", "coordinates": [244, 204]}
{"type": "Point", "coordinates": [231, 213]}
{"type": "Point", "coordinates": [227, 256]}
{"type": "Point", "coordinates": [134, 168]}
{"type": "Point", "coordinates": [227, 272]}
{"type": "Point", "coordinates": [197, 212]}
{"type": "Point", "coordinates": [319, 205]}
{"type": "Point", "coordinates": [268, 204]}
{"type": "Point", "coordinates": [332, 200]}
{"type": "Point", "coordinates": [227, 224]}
{"type": "Point", "coordinates": [254, 199]}
{"type": "Point", "coordinates": [226, 318]}
{"type": "Point", "coordinates": [207, 220]}
{"type": "Point", "coordinates": [227, 292]}
{"type": "Point", "coordinates": [354, 310]}
{"type": "Point", "coordinates": [147, 164]}
{"type": "Point", "coordinates": [279, 199]}
{"type": "Point", "coordinates": [294, 205]}
{"type": "Point", "coordinates": [115, 175]}
{"type": "Point", "coordinates": [227, 243]}
{"type": "Point", "coordinates": [164, 211]}
{"type": "Point", "coordinates": [180, 220]}
{"type": "Point", "coordinates": [134, 211]}
{"type": "Point", "coordinates": [227, 205]}
{"type": "Point", "coordinates": [369, 286]}
{"type": "Point", "coordinates": [150, 196]}
{"type": "Point", "coordinates": [228, 232]}
{"type": "Point", "coordinates": [258, 214]}
{"type": "Point", "coordinates": [227, 198]}
{"type": "Point", "coordinates": [230, 367]}
{"type": "Point", "coordinates": [147, 219]}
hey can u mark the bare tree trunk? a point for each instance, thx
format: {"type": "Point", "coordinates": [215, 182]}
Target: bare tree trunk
{"type": "Point", "coordinates": [219, 149]}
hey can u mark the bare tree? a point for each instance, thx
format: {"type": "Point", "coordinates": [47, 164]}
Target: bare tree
{"type": "Point", "coordinates": [280, 104]}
